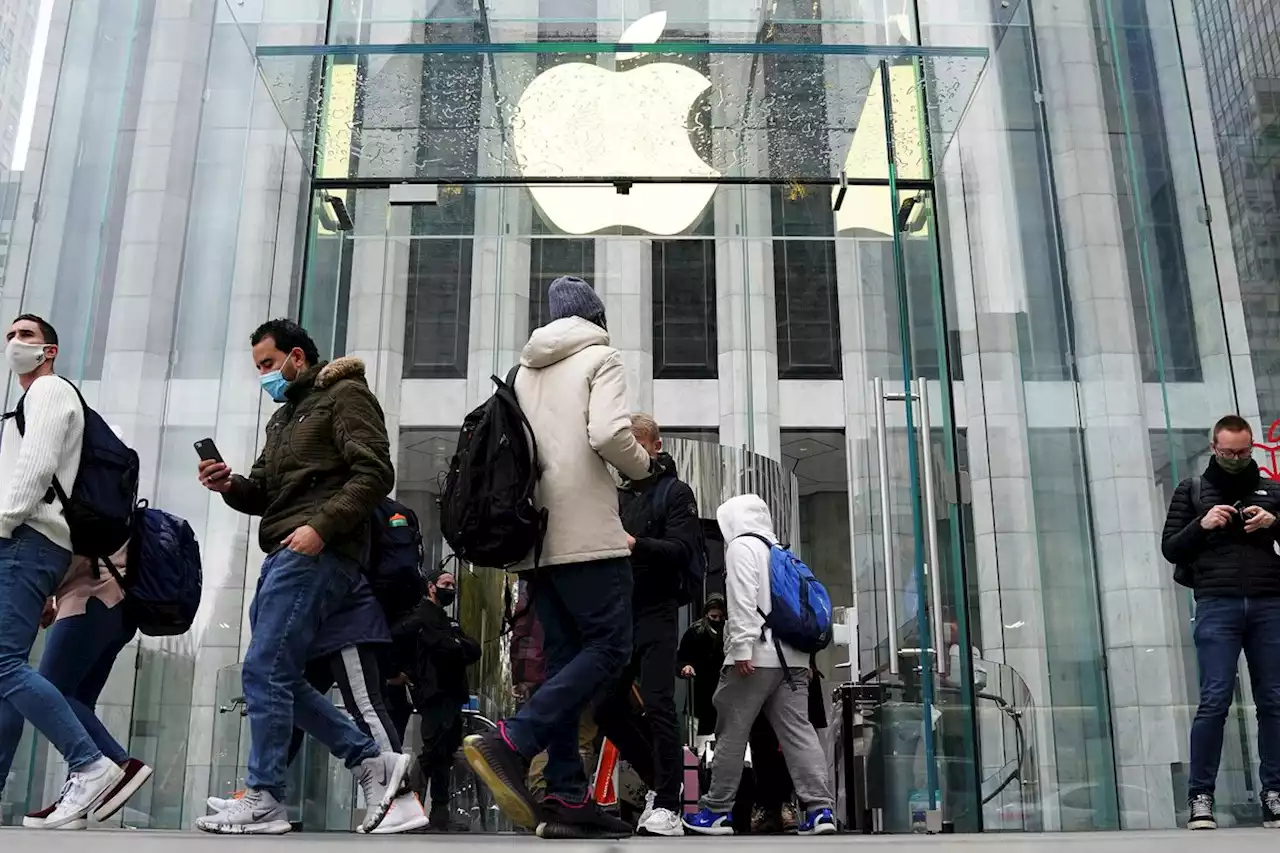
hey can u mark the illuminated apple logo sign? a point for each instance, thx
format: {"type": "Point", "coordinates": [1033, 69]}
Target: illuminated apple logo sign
{"type": "Point", "coordinates": [579, 119]}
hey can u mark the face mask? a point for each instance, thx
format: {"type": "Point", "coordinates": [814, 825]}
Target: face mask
{"type": "Point", "coordinates": [715, 625]}
{"type": "Point", "coordinates": [1234, 466]}
{"type": "Point", "coordinates": [274, 384]}
{"type": "Point", "coordinates": [445, 597]}
{"type": "Point", "coordinates": [24, 358]}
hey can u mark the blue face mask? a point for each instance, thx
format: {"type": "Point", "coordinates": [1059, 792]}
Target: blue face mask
{"type": "Point", "coordinates": [274, 384]}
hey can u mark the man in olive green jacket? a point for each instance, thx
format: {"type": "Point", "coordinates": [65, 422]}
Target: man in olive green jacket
{"type": "Point", "coordinates": [325, 465]}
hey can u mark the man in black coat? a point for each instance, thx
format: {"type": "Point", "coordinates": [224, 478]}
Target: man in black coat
{"type": "Point", "coordinates": [660, 515]}
{"type": "Point", "coordinates": [1221, 533]}
{"type": "Point", "coordinates": [438, 685]}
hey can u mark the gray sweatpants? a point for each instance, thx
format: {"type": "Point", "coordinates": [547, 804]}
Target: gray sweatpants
{"type": "Point", "coordinates": [739, 700]}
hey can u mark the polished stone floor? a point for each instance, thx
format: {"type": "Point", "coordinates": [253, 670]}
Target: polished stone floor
{"type": "Point", "coordinates": [133, 841]}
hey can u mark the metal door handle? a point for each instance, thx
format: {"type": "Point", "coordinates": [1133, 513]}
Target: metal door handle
{"type": "Point", "coordinates": [931, 526]}
{"type": "Point", "coordinates": [886, 532]}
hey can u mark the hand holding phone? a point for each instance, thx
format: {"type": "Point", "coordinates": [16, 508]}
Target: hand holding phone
{"type": "Point", "coordinates": [214, 473]}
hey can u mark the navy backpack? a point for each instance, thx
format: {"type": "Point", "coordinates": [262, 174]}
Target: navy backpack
{"type": "Point", "coordinates": [396, 552]}
{"type": "Point", "coordinates": [163, 582]}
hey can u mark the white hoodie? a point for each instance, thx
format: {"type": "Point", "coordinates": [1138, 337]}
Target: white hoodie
{"type": "Point", "coordinates": [573, 389]}
{"type": "Point", "coordinates": [746, 561]}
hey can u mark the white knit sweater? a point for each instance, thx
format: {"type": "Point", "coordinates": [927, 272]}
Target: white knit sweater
{"type": "Point", "coordinates": [51, 447]}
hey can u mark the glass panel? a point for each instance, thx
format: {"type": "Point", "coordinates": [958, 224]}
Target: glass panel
{"type": "Point", "coordinates": [417, 110]}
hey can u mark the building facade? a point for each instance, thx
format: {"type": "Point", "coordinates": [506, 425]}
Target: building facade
{"type": "Point", "coordinates": [973, 272]}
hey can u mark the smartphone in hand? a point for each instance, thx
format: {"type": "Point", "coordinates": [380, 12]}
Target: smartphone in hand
{"type": "Point", "coordinates": [207, 450]}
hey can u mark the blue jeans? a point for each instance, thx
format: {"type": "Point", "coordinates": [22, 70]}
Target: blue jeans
{"type": "Point", "coordinates": [585, 613]}
{"type": "Point", "coordinates": [31, 567]}
{"type": "Point", "coordinates": [79, 652]}
{"type": "Point", "coordinates": [295, 594]}
{"type": "Point", "coordinates": [1224, 628]}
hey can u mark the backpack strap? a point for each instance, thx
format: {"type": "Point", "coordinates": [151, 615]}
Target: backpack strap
{"type": "Point", "coordinates": [1195, 492]}
{"type": "Point", "coordinates": [777, 644]}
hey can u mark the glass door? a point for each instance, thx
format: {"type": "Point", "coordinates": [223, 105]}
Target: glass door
{"type": "Point", "coordinates": [915, 676]}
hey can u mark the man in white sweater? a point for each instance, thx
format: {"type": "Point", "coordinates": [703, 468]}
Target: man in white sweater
{"type": "Point", "coordinates": [35, 554]}
{"type": "Point", "coordinates": [753, 680]}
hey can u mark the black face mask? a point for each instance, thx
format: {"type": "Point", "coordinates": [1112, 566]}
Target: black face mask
{"type": "Point", "coordinates": [716, 625]}
{"type": "Point", "coordinates": [445, 597]}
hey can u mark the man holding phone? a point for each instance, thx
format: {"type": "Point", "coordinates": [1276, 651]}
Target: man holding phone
{"type": "Point", "coordinates": [325, 466]}
{"type": "Point", "coordinates": [1222, 527]}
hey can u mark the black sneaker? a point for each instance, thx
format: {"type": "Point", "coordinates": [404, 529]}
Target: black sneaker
{"type": "Point", "coordinates": [1271, 809]}
{"type": "Point", "coordinates": [1201, 816]}
{"type": "Point", "coordinates": [565, 821]}
{"type": "Point", "coordinates": [504, 771]}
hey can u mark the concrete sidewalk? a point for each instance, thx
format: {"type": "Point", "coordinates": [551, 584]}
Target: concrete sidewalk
{"type": "Point", "coordinates": [138, 841]}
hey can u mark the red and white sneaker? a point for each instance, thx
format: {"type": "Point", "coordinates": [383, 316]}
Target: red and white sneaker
{"type": "Point", "coordinates": [35, 820]}
{"type": "Point", "coordinates": [136, 774]}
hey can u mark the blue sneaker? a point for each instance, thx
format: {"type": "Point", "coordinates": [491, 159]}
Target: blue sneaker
{"type": "Point", "coordinates": [707, 822]}
{"type": "Point", "coordinates": [817, 822]}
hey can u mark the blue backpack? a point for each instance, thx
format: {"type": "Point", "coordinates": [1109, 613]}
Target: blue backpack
{"type": "Point", "coordinates": [100, 508]}
{"type": "Point", "coordinates": [801, 612]}
{"type": "Point", "coordinates": [163, 583]}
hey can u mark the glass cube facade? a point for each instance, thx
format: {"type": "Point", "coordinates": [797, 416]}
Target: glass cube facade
{"type": "Point", "coordinates": [965, 283]}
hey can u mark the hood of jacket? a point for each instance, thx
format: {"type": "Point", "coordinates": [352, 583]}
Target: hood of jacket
{"type": "Point", "coordinates": [560, 339]}
{"type": "Point", "coordinates": [324, 375]}
{"type": "Point", "coordinates": [745, 514]}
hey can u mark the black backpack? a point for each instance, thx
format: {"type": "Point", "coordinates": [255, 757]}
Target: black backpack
{"type": "Point", "coordinates": [693, 574]}
{"type": "Point", "coordinates": [396, 550]}
{"type": "Point", "coordinates": [487, 510]}
{"type": "Point", "coordinates": [100, 508]}
{"type": "Point", "coordinates": [1184, 574]}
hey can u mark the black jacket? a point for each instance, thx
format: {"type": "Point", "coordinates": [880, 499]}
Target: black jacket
{"type": "Point", "coordinates": [702, 648]}
{"type": "Point", "coordinates": [661, 512]}
{"type": "Point", "coordinates": [443, 654]}
{"type": "Point", "coordinates": [1225, 562]}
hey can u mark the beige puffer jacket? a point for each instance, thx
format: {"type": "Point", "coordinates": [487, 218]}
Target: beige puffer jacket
{"type": "Point", "coordinates": [572, 388]}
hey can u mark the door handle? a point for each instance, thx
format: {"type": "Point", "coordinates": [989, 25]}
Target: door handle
{"type": "Point", "coordinates": [886, 531]}
{"type": "Point", "coordinates": [931, 526]}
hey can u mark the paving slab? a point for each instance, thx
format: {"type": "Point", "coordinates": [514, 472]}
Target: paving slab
{"type": "Point", "coordinates": [149, 841]}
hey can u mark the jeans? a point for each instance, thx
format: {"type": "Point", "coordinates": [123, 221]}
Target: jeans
{"type": "Point", "coordinates": [295, 594]}
{"type": "Point", "coordinates": [31, 567]}
{"type": "Point", "coordinates": [1224, 628]}
{"type": "Point", "coordinates": [649, 738]}
{"type": "Point", "coordinates": [585, 613]}
{"type": "Point", "coordinates": [79, 652]}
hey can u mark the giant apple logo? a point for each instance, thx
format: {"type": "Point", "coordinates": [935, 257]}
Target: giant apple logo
{"type": "Point", "coordinates": [579, 119]}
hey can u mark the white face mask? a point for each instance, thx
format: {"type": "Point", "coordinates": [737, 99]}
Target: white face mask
{"type": "Point", "coordinates": [23, 358]}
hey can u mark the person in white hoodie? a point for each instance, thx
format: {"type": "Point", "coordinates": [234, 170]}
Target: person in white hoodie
{"type": "Point", "coordinates": [572, 387]}
{"type": "Point", "coordinates": [753, 680]}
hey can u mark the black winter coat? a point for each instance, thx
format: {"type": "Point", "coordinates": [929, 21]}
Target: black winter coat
{"type": "Point", "coordinates": [1226, 562]}
{"type": "Point", "coordinates": [664, 521]}
{"type": "Point", "coordinates": [443, 654]}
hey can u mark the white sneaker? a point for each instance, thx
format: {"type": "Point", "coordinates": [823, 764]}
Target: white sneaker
{"type": "Point", "coordinates": [83, 791]}
{"type": "Point", "coordinates": [256, 813]}
{"type": "Point", "coordinates": [649, 799]}
{"type": "Point", "coordinates": [381, 779]}
{"type": "Point", "coordinates": [663, 822]}
{"type": "Point", "coordinates": [405, 815]}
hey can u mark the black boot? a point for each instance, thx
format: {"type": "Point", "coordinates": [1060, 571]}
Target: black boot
{"type": "Point", "coordinates": [439, 821]}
